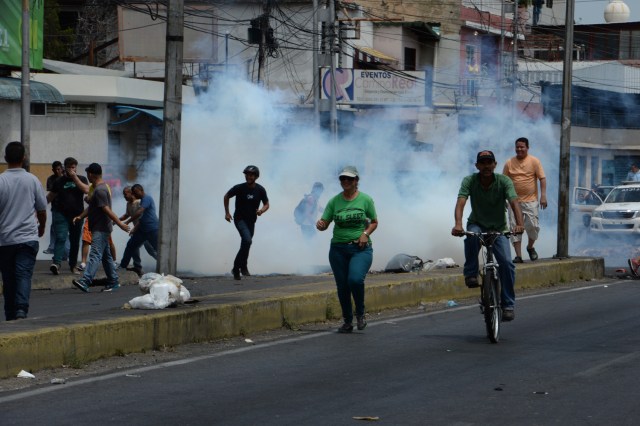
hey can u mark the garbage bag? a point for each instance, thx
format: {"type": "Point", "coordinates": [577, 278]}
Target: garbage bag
{"type": "Point", "coordinates": [404, 263]}
{"type": "Point", "coordinates": [163, 292]}
{"type": "Point", "coordinates": [445, 262]}
{"type": "Point", "coordinates": [146, 280]}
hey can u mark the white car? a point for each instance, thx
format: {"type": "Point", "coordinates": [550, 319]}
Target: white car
{"type": "Point", "coordinates": [619, 214]}
{"type": "Point", "coordinates": [586, 200]}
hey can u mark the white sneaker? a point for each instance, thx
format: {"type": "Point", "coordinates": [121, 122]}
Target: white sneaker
{"type": "Point", "coordinates": [54, 268]}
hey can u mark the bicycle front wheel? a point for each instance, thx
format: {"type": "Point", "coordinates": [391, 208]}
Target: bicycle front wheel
{"type": "Point", "coordinates": [491, 304]}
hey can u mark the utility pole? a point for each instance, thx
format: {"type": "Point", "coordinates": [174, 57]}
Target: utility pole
{"type": "Point", "coordinates": [333, 117]}
{"type": "Point", "coordinates": [264, 28]}
{"type": "Point", "coordinates": [25, 88]}
{"type": "Point", "coordinates": [170, 173]}
{"type": "Point", "coordinates": [503, 72]}
{"type": "Point", "coordinates": [316, 79]}
{"type": "Point", "coordinates": [327, 15]}
{"type": "Point", "coordinates": [514, 61]}
{"type": "Point", "coordinates": [565, 137]}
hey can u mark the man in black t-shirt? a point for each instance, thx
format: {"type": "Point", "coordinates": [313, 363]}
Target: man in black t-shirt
{"type": "Point", "coordinates": [67, 199]}
{"type": "Point", "coordinates": [248, 195]}
{"type": "Point", "coordinates": [56, 168]}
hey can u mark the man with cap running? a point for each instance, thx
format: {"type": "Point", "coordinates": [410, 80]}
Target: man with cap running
{"type": "Point", "coordinates": [488, 192]}
{"type": "Point", "coordinates": [248, 195]}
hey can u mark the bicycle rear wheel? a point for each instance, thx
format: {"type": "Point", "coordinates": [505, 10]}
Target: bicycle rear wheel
{"type": "Point", "coordinates": [491, 305]}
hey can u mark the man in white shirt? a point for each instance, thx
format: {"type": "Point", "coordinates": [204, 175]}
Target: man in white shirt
{"type": "Point", "coordinates": [23, 215]}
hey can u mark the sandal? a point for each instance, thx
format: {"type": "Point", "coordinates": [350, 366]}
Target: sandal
{"type": "Point", "coordinates": [533, 255]}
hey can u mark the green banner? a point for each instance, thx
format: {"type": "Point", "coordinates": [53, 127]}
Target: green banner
{"type": "Point", "coordinates": [11, 33]}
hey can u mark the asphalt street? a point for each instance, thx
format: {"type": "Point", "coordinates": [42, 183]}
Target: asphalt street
{"type": "Point", "coordinates": [570, 357]}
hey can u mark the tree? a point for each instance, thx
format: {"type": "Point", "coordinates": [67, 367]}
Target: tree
{"type": "Point", "coordinates": [57, 41]}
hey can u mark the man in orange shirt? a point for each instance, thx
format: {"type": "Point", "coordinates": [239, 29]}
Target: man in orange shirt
{"type": "Point", "coordinates": [525, 171]}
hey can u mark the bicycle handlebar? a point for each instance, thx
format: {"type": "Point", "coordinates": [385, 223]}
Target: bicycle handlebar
{"type": "Point", "coordinates": [487, 234]}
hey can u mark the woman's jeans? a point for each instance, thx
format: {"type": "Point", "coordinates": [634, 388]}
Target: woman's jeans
{"type": "Point", "coordinates": [245, 229]}
{"type": "Point", "coordinates": [350, 265]}
{"type": "Point", "coordinates": [16, 264]}
{"type": "Point", "coordinates": [502, 254]}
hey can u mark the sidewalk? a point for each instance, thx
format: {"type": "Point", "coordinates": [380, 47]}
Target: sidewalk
{"type": "Point", "coordinates": [67, 326]}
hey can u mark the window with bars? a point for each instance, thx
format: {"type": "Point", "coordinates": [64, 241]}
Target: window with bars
{"type": "Point", "coordinates": [629, 44]}
{"type": "Point", "coordinates": [71, 109]}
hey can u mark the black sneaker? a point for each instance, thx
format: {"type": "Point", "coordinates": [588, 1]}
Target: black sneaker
{"type": "Point", "coordinates": [236, 275]}
{"type": "Point", "coordinates": [508, 315]}
{"type": "Point", "coordinates": [82, 286]}
{"type": "Point", "coordinates": [20, 314]}
{"type": "Point", "coordinates": [471, 282]}
{"type": "Point", "coordinates": [345, 328]}
{"type": "Point", "coordinates": [111, 287]}
{"type": "Point", "coordinates": [137, 270]}
{"type": "Point", "coordinates": [361, 322]}
{"type": "Point", "coordinates": [54, 268]}
{"type": "Point", "coordinates": [518, 259]}
{"type": "Point", "coordinates": [245, 272]}
{"type": "Point", "coordinates": [533, 254]}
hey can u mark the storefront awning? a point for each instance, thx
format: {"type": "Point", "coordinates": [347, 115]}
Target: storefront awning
{"type": "Point", "coordinates": [11, 88]}
{"type": "Point", "coordinates": [122, 110]}
{"type": "Point", "coordinates": [376, 54]}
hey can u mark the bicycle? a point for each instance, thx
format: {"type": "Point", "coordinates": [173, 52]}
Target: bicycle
{"type": "Point", "coordinates": [490, 287]}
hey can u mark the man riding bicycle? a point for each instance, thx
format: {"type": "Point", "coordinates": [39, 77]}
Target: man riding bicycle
{"type": "Point", "coordinates": [488, 192]}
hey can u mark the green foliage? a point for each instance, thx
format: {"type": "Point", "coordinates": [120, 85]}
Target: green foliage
{"type": "Point", "coordinates": [56, 39]}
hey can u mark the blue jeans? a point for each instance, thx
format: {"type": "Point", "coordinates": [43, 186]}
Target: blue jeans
{"type": "Point", "coordinates": [502, 254]}
{"type": "Point", "coordinates": [66, 230]}
{"type": "Point", "coordinates": [132, 250]}
{"type": "Point", "coordinates": [350, 265]}
{"type": "Point", "coordinates": [100, 252]}
{"type": "Point", "coordinates": [16, 265]}
{"type": "Point", "coordinates": [135, 254]}
{"type": "Point", "coordinates": [245, 229]}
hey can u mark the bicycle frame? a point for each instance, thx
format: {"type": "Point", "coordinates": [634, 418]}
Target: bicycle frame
{"type": "Point", "coordinates": [490, 301]}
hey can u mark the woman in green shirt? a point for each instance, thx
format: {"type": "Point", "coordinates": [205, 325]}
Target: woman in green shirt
{"type": "Point", "coordinates": [350, 255]}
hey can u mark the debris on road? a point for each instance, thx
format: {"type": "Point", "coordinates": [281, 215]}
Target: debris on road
{"type": "Point", "coordinates": [161, 291]}
{"type": "Point", "coordinates": [26, 375]}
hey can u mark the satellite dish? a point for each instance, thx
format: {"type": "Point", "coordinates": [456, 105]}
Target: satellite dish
{"type": "Point", "coordinates": [616, 11]}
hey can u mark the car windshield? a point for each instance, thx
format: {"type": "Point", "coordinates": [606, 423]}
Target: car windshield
{"type": "Point", "coordinates": [624, 195]}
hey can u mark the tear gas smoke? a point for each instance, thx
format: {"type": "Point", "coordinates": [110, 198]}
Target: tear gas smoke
{"type": "Point", "coordinates": [239, 123]}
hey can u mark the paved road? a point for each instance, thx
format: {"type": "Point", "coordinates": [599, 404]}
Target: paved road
{"type": "Point", "coordinates": [571, 357]}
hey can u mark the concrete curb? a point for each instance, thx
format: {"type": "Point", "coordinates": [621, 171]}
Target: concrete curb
{"type": "Point", "coordinates": [78, 344]}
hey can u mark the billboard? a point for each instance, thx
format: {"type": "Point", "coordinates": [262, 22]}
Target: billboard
{"type": "Point", "coordinates": [11, 33]}
{"type": "Point", "coordinates": [142, 36]}
{"type": "Point", "coordinates": [375, 87]}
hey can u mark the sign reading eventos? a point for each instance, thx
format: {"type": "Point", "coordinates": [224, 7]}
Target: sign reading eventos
{"type": "Point", "coordinates": [375, 87]}
{"type": "Point", "coordinates": [11, 33]}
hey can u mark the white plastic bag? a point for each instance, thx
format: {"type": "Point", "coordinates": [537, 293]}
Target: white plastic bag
{"type": "Point", "coordinates": [446, 262]}
{"type": "Point", "coordinates": [143, 302]}
{"type": "Point", "coordinates": [161, 295]}
{"type": "Point", "coordinates": [163, 291]}
{"type": "Point", "coordinates": [146, 280]}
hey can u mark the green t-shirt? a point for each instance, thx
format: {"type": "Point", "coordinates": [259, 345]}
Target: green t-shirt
{"type": "Point", "coordinates": [488, 207]}
{"type": "Point", "coordinates": [350, 217]}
